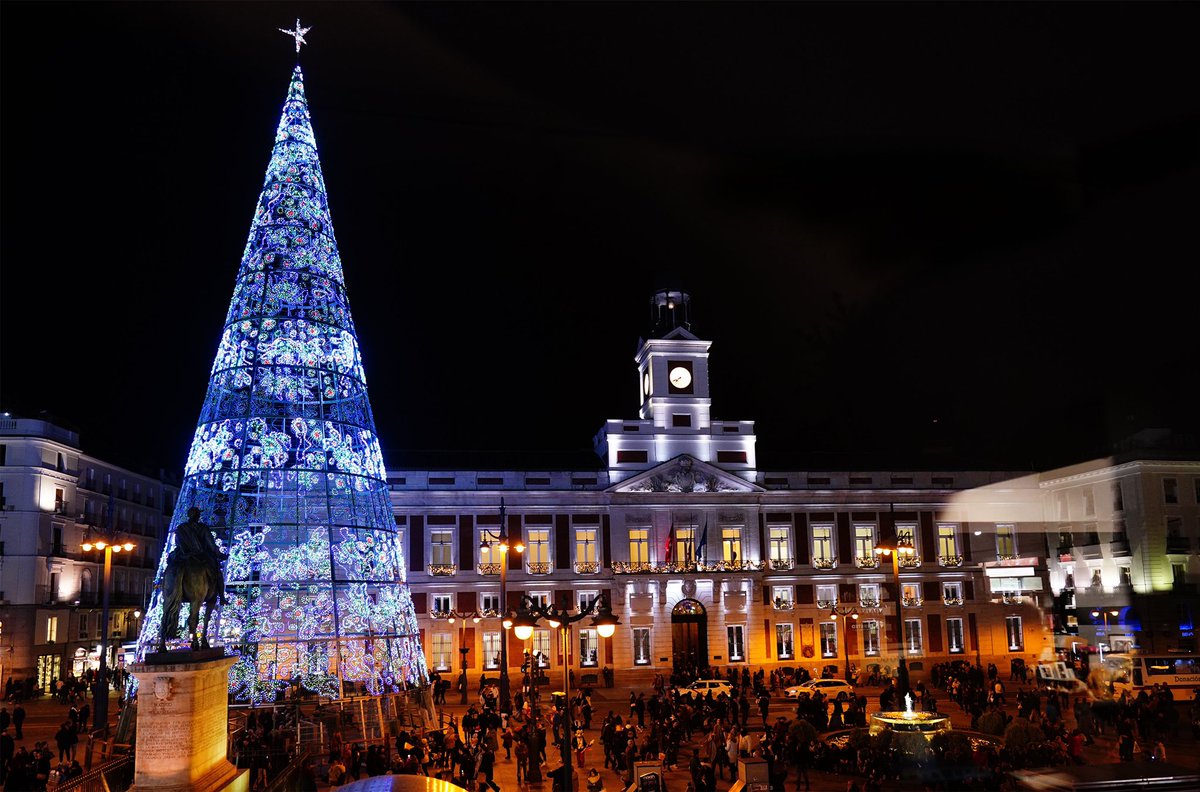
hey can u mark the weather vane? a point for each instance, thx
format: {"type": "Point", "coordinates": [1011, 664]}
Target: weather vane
{"type": "Point", "coordinates": [297, 34]}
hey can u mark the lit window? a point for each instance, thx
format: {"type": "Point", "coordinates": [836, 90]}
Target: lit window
{"type": "Point", "coordinates": [829, 644]}
{"type": "Point", "coordinates": [822, 543]}
{"type": "Point", "coordinates": [639, 546]}
{"type": "Point", "coordinates": [782, 597]}
{"type": "Point", "coordinates": [784, 647]}
{"type": "Point", "coordinates": [1016, 635]}
{"type": "Point", "coordinates": [490, 603]}
{"type": "Point", "coordinates": [1006, 540]}
{"type": "Point", "coordinates": [585, 545]}
{"type": "Point", "coordinates": [641, 646]}
{"type": "Point", "coordinates": [589, 648]}
{"type": "Point", "coordinates": [731, 544]}
{"type": "Point", "coordinates": [441, 546]}
{"type": "Point", "coordinates": [586, 598]}
{"type": "Point", "coordinates": [441, 603]}
{"type": "Point", "coordinates": [537, 549]}
{"type": "Point", "coordinates": [684, 551]}
{"type": "Point", "coordinates": [1170, 490]}
{"type": "Point", "coordinates": [912, 636]}
{"type": "Point", "coordinates": [491, 649]}
{"type": "Point", "coordinates": [952, 593]}
{"type": "Point", "coordinates": [912, 594]}
{"type": "Point", "coordinates": [736, 639]}
{"type": "Point", "coordinates": [541, 647]}
{"type": "Point", "coordinates": [954, 634]}
{"type": "Point", "coordinates": [864, 542]}
{"type": "Point", "coordinates": [868, 595]}
{"type": "Point", "coordinates": [870, 637]}
{"type": "Point", "coordinates": [443, 646]}
{"type": "Point", "coordinates": [780, 543]}
{"type": "Point", "coordinates": [826, 596]}
{"type": "Point", "coordinates": [947, 540]}
{"type": "Point", "coordinates": [51, 629]}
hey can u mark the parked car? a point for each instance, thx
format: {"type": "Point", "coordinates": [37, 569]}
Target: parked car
{"type": "Point", "coordinates": [836, 689]}
{"type": "Point", "coordinates": [701, 687]}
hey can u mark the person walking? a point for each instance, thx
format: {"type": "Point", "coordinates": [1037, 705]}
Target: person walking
{"type": "Point", "coordinates": [486, 766]}
{"type": "Point", "coordinates": [18, 721]}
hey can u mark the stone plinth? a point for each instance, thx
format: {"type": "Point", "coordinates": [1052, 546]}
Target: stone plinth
{"type": "Point", "coordinates": [182, 722]}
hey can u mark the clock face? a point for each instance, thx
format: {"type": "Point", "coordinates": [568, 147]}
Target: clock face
{"type": "Point", "coordinates": [646, 383]}
{"type": "Point", "coordinates": [680, 377]}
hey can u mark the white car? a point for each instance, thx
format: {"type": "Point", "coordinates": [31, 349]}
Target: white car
{"type": "Point", "coordinates": [701, 687]}
{"type": "Point", "coordinates": [834, 689]}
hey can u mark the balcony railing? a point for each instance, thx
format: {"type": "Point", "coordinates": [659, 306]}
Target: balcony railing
{"type": "Point", "coordinates": [950, 560]}
{"type": "Point", "coordinates": [644, 568]}
{"type": "Point", "coordinates": [910, 562]}
{"type": "Point", "coordinates": [782, 564]}
{"type": "Point", "coordinates": [784, 605]}
{"type": "Point", "coordinates": [442, 570]}
{"type": "Point", "coordinates": [867, 562]}
{"type": "Point", "coordinates": [1178, 544]}
{"type": "Point", "coordinates": [586, 567]}
{"type": "Point", "coordinates": [538, 567]}
{"type": "Point", "coordinates": [824, 563]}
{"type": "Point", "coordinates": [62, 507]}
{"type": "Point", "coordinates": [439, 614]}
{"type": "Point", "coordinates": [1011, 599]}
{"type": "Point", "coordinates": [1006, 556]}
{"type": "Point", "coordinates": [490, 568]}
{"type": "Point", "coordinates": [913, 602]}
{"type": "Point", "coordinates": [826, 604]}
{"type": "Point", "coordinates": [1120, 546]}
{"type": "Point", "coordinates": [952, 601]}
{"type": "Point", "coordinates": [869, 603]}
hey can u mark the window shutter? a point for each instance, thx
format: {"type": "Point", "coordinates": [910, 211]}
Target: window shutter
{"type": "Point", "coordinates": [606, 541]}
{"type": "Point", "coordinates": [767, 638]}
{"type": "Point", "coordinates": [935, 634]}
{"type": "Point", "coordinates": [968, 590]}
{"type": "Point", "coordinates": [467, 602]}
{"type": "Point", "coordinates": [801, 538]}
{"type": "Point", "coordinates": [851, 635]}
{"type": "Point", "coordinates": [416, 543]}
{"type": "Point", "coordinates": [929, 548]}
{"type": "Point", "coordinates": [804, 594]}
{"type": "Point", "coordinates": [469, 642]}
{"type": "Point", "coordinates": [932, 591]}
{"type": "Point", "coordinates": [964, 541]}
{"type": "Point", "coordinates": [973, 632]}
{"type": "Point", "coordinates": [562, 550]}
{"type": "Point", "coordinates": [848, 593]}
{"type": "Point", "coordinates": [845, 550]}
{"type": "Point", "coordinates": [514, 599]}
{"type": "Point", "coordinates": [514, 532]}
{"type": "Point", "coordinates": [466, 543]}
{"type": "Point", "coordinates": [420, 601]}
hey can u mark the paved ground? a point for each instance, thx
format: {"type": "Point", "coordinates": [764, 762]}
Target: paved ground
{"type": "Point", "coordinates": [44, 716]}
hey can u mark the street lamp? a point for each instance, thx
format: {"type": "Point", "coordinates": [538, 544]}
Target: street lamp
{"type": "Point", "coordinates": [850, 611]}
{"type": "Point", "coordinates": [605, 622]}
{"type": "Point", "coordinates": [463, 649]}
{"type": "Point", "coordinates": [1095, 615]}
{"type": "Point", "coordinates": [502, 546]}
{"type": "Point", "coordinates": [902, 548]}
{"type": "Point", "coordinates": [100, 690]}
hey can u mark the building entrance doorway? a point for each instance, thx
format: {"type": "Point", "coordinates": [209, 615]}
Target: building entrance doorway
{"type": "Point", "coordinates": [689, 637]}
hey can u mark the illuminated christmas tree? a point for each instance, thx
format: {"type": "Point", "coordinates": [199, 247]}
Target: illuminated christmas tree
{"type": "Point", "coordinates": [285, 464]}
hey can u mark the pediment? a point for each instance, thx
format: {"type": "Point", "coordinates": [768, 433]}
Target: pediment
{"type": "Point", "coordinates": [680, 332]}
{"type": "Point", "coordinates": [685, 473]}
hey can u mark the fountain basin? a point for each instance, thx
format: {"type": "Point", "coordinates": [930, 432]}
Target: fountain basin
{"type": "Point", "coordinates": [926, 723]}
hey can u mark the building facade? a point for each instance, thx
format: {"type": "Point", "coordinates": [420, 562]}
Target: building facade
{"type": "Point", "coordinates": [54, 499]}
{"type": "Point", "coordinates": [708, 560]}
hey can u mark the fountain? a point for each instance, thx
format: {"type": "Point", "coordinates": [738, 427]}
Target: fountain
{"type": "Point", "coordinates": [926, 723]}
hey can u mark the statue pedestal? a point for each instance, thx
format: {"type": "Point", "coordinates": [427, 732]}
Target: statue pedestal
{"type": "Point", "coordinates": [182, 724]}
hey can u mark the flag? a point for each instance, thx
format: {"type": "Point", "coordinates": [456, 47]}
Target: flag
{"type": "Point", "coordinates": [703, 542]}
{"type": "Point", "coordinates": [670, 543]}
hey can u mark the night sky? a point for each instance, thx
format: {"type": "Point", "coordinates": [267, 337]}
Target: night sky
{"type": "Point", "coordinates": [918, 234]}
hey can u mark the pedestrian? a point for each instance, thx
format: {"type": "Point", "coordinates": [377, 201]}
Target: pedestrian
{"type": "Point", "coordinates": [594, 782]}
{"type": "Point", "coordinates": [18, 720]}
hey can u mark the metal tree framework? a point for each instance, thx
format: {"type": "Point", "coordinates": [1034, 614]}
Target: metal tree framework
{"type": "Point", "coordinates": [285, 464]}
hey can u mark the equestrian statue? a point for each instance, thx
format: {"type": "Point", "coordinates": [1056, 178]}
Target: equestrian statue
{"type": "Point", "coordinates": [193, 575]}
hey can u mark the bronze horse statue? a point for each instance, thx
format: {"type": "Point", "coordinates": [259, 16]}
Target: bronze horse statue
{"type": "Point", "coordinates": [193, 575]}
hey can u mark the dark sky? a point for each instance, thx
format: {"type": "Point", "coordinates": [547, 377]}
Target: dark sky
{"type": "Point", "coordinates": [916, 233]}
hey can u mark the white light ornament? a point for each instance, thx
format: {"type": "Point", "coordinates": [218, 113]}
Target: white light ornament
{"type": "Point", "coordinates": [297, 34]}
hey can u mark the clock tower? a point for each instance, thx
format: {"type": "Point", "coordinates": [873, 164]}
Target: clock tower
{"type": "Point", "coordinates": [675, 406]}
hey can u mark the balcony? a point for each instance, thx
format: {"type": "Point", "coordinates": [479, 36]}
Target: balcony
{"type": "Point", "coordinates": [950, 560]}
{"type": "Point", "coordinates": [62, 507]}
{"type": "Point", "coordinates": [953, 602]}
{"type": "Point", "coordinates": [1006, 556]}
{"type": "Point", "coordinates": [826, 604]}
{"type": "Point", "coordinates": [1178, 545]}
{"type": "Point", "coordinates": [1120, 546]}
{"type": "Point", "coordinates": [1011, 599]}
{"type": "Point", "coordinates": [443, 570]}
{"type": "Point", "coordinates": [439, 614]}
{"type": "Point", "coordinates": [913, 602]}
{"type": "Point", "coordinates": [868, 602]}
{"type": "Point", "coordinates": [909, 562]}
{"type": "Point", "coordinates": [646, 568]}
{"type": "Point", "coordinates": [867, 562]}
{"type": "Point", "coordinates": [784, 605]}
{"type": "Point", "coordinates": [489, 569]}
{"type": "Point", "coordinates": [538, 567]}
{"type": "Point", "coordinates": [782, 564]}
{"type": "Point", "coordinates": [587, 567]}
{"type": "Point", "coordinates": [824, 563]}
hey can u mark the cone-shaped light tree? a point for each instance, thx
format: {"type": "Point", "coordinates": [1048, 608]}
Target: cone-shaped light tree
{"type": "Point", "coordinates": [285, 464]}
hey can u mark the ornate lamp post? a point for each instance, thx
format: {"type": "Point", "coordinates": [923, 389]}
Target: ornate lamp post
{"type": "Point", "coordinates": [463, 649]}
{"type": "Point", "coordinates": [558, 618]}
{"type": "Point", "coordinates": [851, 612]}
{"type": "Point", "coordinates": [502, 547]}
{"type": "Point", "coordinates": [100, 690]}
{"type": "Point", "coordinates": [901, 548]}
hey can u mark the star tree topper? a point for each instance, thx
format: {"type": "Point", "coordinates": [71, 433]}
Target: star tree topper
{"type": "Point", "coordinates": [297, 34]}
